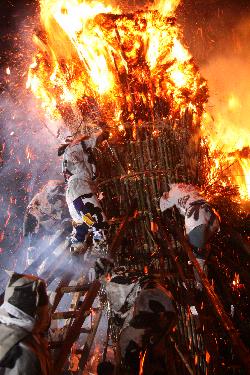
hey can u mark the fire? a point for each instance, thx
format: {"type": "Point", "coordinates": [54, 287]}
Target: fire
{"type": "Point", "coordinates": [236, 280]}
{"type": "Point", "coordinates": [166, 7]}
{"type": "Point", "coordinates": [227, 133]}
{"type": "Point", "coordinates": [237, 286]}
{"type": "Point", "coordinates": [97, 63]}
{"type": "Point", "coordinates": [28, 153]}
{"type": "Point", "coordinates": [245, 165]}
{"type": "Point", "coordinates": [142, 359]}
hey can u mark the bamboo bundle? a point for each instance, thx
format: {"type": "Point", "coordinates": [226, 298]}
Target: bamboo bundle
{"type": "Point", "coordinates": [140, 169]}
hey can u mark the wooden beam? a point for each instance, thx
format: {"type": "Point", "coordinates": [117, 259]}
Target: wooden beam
{"type": "Point", "coordinates": [75, 288]}
{"type": "Point", "coordinates": [89, 342]}
{"type": "Point", "coordinates": [64, 315]}
{"type": "Point", "coordinates": [74, 330]}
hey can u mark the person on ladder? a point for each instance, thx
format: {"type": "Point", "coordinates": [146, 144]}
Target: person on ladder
{"type": "Point", "coordinates": [201, 220]}
{"type": "Point", "coordinates": [80, 173]}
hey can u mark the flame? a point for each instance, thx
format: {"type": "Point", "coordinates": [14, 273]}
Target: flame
{"type": "Point", "coordinates": [28, 153]}
{"type": "Point", "coordinates": [142, 359]}
{"type": "Point", "coordinates": [93, 62]}
{"type": "Point", "coordinates": [131, 67]}
{"type": "Point", "coordinates": [226, 132]}
{"type": "Point", "coordinates": [236, 280]}
{"type": "Point", "coordinates": [166, 7]}
{"type": "Point", "coordinates": [207, 357]}
{"type": "Point", "coordinates": [245, 188]}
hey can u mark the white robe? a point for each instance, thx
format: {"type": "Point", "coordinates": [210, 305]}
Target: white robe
{"type": "Point", "coordinates": [182, 196]}
{"type": "Point", "coordinates": [82, 180]}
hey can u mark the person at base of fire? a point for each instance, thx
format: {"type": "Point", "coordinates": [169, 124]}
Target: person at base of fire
{"type": "Point", "coordinates": [24, 321]}
{"type": "Point", "coordinates": [143, 310]}
{"type": "Point", "coordinates": [201, 220]}
{"type": "Point", "coordinates": [80, 173]}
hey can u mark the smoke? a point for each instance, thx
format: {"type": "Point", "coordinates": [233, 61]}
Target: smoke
{"type": "Point", "coordinates": [28, 147]}
{"type": "Point", "coordinates": [217, 34]}
{"type": "Point", "coordinates": [228, 76]}
{"type": "Point", "coordinates": [29, 161]}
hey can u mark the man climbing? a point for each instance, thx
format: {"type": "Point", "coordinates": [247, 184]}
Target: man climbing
{"type": "Point", "coordinates": [201, 220]}
{"type": "Point", "coordinates": [80, 172]}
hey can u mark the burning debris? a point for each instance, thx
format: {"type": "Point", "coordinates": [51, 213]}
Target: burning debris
{"type": "Point", "coordinates": [127, 68]}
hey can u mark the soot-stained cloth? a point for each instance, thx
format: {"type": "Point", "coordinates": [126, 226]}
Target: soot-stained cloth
{"type": "Point", "coordinates": [24, 320]}
{"type": "Point", "coordinates": [79, 164]}
{"type": "Point", "coordinates": [47, 209]}
{"type": "Point", "coordinates": [140, 305]}
{"type": "Point", "coordinates": [190, 203]}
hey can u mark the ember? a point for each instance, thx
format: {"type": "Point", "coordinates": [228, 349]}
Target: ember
{"type": "Point", "coordinates": [142, 359]}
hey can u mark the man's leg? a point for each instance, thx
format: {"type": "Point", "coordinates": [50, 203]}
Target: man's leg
{"type": "Point", "coordinates": [92, 217]}
{"type": "Point", "coordinates": [81, 228]}
{"type": "Point", "coordinates": [99, 228]}
{"type": "Point", "coordinates": [198, 238]}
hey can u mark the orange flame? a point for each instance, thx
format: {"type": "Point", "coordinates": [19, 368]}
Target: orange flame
{"type": "Point", "coordinates": [225, 133]}
{"type": "Point", "coordinates": [93, 62]}
{"type": "Point", "coordinates": [132, 67]}
{"type": "Point", "coordinates": [236, 280]}
{"type": "Point", "coordinates": [142, 359]}
{"type": "Point", "coordinates": [166, 7]}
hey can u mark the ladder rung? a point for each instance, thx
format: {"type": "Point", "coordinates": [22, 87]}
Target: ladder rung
{"type": "Point", "coordinates": [64, 315]}
{"type": "Point", "coordinates": [86, 330]}
{"type": "Point", "coordinates": [75, 288]}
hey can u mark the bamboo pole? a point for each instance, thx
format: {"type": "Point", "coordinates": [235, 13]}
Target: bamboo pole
{"type": "Point", "coordinates": [58, 293]}
{"type": "Point", "coordinates": [238, 345]}
{"type": "Point", "coordinates": [64, 315]}
{"type": "Point", "coordinates": [182, 357]}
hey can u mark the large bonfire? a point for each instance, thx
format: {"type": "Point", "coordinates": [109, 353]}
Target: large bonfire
{"type": "Point", "coordinates": [97, 62]}
{"type": "Point", "coordinates": [124, 67]}
{"type": "Point", "coordinates": [130, 69]}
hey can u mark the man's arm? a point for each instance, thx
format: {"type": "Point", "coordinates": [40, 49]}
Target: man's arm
{"type": "Point", "coordinates": [166, 202]}
{"type": "Point", "coordinates": [96, 138]}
